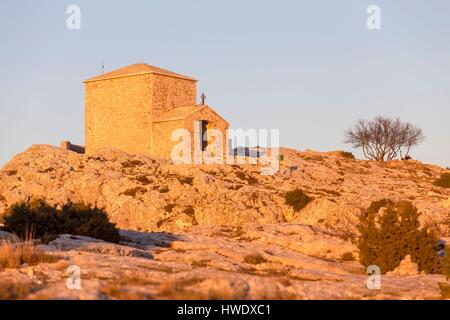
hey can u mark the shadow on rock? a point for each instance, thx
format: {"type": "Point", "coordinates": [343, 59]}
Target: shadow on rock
{"type": "Point", "coordinates": [67, 242]}
{"type": "Point", "coordinates": [148, 240]}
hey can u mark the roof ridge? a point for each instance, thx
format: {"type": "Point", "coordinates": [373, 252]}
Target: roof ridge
{"type": "Point", "coordinates": [135, 70]}
{"type": "Point", "coordinates": [172, 114]}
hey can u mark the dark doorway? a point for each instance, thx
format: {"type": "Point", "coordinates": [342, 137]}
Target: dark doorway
{"type": "Point", "coordinates": [203, 135]}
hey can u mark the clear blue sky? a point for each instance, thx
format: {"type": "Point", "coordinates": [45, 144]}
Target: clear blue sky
{"type": "Point", "coordinates": [309, 68]}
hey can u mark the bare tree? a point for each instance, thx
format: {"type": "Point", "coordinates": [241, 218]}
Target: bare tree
{"type": "Point", "coordinates": [383, 138]}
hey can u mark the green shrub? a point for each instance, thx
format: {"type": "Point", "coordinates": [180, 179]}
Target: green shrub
{"type": "Point", "coordinates": [443, 181]}
{"type": "Point", "coordinates": [190, 211]}
{"type": "Point", "coordinates": [164, 190]}
{"type": "Point", "coordinates": [446, 263]}
{"type": "Point", "coordinates": [186, 180]}
{"type": "Point", "coordinates": [297, 199]}
{"type": "Point", "coordinates": [80, 219]}
{"type": "Point", "coordinates": [11, 172]}
{"type": "Point", "coordinates": [445, 290]}
{"type": "Point", "coordinates": [134, 191]}
{"type": "Point", "coordinates": [389, 235]}
{"type": "Point", "coordinates": [254, 259]}
{"type": "Point", "coordinates": [169, 207]}
{"type": "Point", "coordinates": [348, 155]}
{"type": "Point", "coordinates": [348, 256]}
{"type": "Point", "coordinates": [132, 163]}
{"type": "Point", "coordinates": [47, 222]}
{"type": "Point", "coordinates": [144, 180]}
{"type": "Point", "coordinates": [243, 176]}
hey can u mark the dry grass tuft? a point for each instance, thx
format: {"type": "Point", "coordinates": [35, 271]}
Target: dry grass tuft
{"type": "Point", "coordinates": [182, 289]}
{"type": "Point", "coordinates": [128, 288]}
{"type": "Point", "coordinates": [15, 255]}
{"type": "Point", "coordinates": [120, 293]}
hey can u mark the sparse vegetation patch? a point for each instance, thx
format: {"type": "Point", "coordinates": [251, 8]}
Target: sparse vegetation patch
{"type": "Point", "coordinates": [132, 163]}
{"type": "Point", "coordinates": [186, 180]}
{"type": "Point", "coordinates": [297, 199]}
{"type": "Point", "coordinates": [245, 177]}
{"type": "Point", "coordinates": [144, 180]}
{"type": "Point", "coordinates": [443, 181]}
{"type": "Point", "coordinates": [445, 290]}
{"type": "Point", "coordinates": [446, 263]}
{"type": "Point", "coordinates": [134, 191]}
{"type": "Point", "coordinates": [164, 190]}
{"type": "Point", "coordinates": [169, 207]}
{"type": "Point", "coordinates": [254, 259]}
{"type": "Point", "coordinates": [347, 155]}
{"type": "Point", "coordinates": [348, 256]}
{"type": "Point", "coordinates": [189, 211]}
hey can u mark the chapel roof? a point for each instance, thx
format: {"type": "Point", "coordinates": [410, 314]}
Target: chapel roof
{"type": "Point", "coordinates": [137, 69]}
{"type": "Point", "coordinates": [180, 113]}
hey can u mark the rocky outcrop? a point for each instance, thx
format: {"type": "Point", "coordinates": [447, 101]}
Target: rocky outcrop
{"type": "Point", "coordinates": [150, 194]}
{"type": "Point", "coordinates": [282, 261]}
{"type": "Point", "coordinates": [217, 232]}
{"type": "Point", "coordinates": [6, 237]}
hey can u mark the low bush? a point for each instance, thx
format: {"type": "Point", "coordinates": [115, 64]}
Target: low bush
{"type": "Point", "coordinates": [162, 190]}
{"type": "Point", "coordinates": [443, 181]}
{"type": "Point", "coordinates": [47, 222]}
{"type": "Point", "coordinates": [445, 290]}
{"type": "Point", "coordinates": [347, 155]}
{"type": "Point", "coordinates": [254, 259]}
{"type": "Point", "coordinates": [348, 256]}
{"type": "Point", "coordinates": [134, 191]}
{"type": "Point", "coordinates": [186, 180]}
{"type": "Point", "coordinates": [390, 231]}
{"type": "Point", "coordinates": [169, 207]}
{"type": "Point", "coordinates": [297, 199]}
{"type": "Point", "coordinates": [80, 219]}
{"type": "Point", "coordinates": [446, 263]}
{"type": "Point", "coordinates": [243, 176]}
{"type": "Point", "coordinates": [190, 211]}
{"type": "Point", "coordinates": [132, 163]}
{"type": "Point", "coordinates": [144, 180]}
